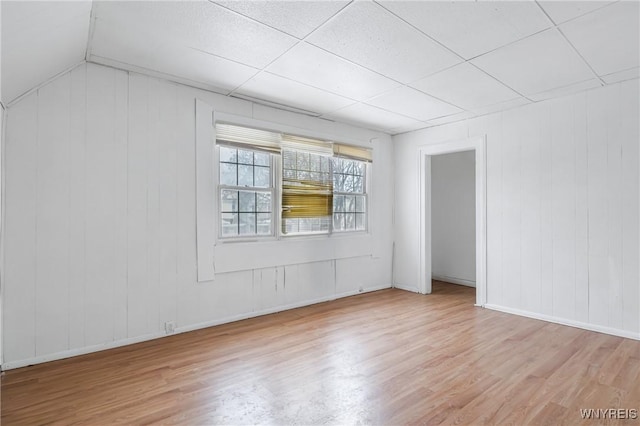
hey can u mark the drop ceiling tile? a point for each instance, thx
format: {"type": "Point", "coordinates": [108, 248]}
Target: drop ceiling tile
{"type": "Point", "coordinates": [297, 18]}
{"type": "Point", "coordinates": [315, 67]}
{"type": "Point", "coordinates": [21, 17]}
{"type": "Point", "coordinates": [38, 55]}
{"type": "Point", "coordinates": [201, 25]}
{"type": "Point", "coordinates": [566, 90]}
{"type": "Point", "coordinates": [502, 106]}
{"type": "Point", "coordinates": [562, 11]}
{"type": "Point", "coordinates": [472, 28]}
{"type": "Point", "coordinates": [536, 64]}
{"type": "Point", "coordinates": [280, 90]}
{"type": "Point", "coordinates": [127, 46]}
{"type": "Point", "coordinates": [629, 74]}
{"type": "Point", "coordinates": [406, 129]}
{"type": "Point", "coordinates": [413, 103]}
{"type": "Point", "coordinates": [465, 86]}
{"type": "Point", "coordinates": [371, 117]}
{"type": "Point", "coordinates": [609, 38]}
{"type": "Point", "coordinates": [369, 35]}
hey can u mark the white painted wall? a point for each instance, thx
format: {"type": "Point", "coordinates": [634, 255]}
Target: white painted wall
{"type": "Point", "coordinates": [100, 242]}
{"type": "Point", "coordinates": [562, 207]}
{"type": "Point", "coordinates": [453, 217]}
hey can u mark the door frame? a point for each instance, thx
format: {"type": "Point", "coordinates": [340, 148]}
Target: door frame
{"type": "Point", "coordinates": [479, 145]}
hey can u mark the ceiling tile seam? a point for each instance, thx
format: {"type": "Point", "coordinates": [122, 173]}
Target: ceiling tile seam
{"type": "Point", "coordinates": [420, 31]}
{"type": "Point", "coordinates": [557, 27]}
{"type": "Point", "coordinates": [620, 71]}
{"type": "Point", "coordinates": [499, 81]}
{"type": "Point", "coordinates": [578, 16]}
{"type": "Point", "coordinates": [560, 88]}
{"type": "Point", "coordinates": [298, 42]}
{"type": "Point", "coordinates": [377, 107]}
{"type": "Point", "coordinates": [92, 28]}
{"type": "Point", "coordinates": [595, 74]}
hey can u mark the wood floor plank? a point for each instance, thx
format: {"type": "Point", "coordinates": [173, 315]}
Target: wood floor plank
{"type": "Point", "coordinates": [388, 357]}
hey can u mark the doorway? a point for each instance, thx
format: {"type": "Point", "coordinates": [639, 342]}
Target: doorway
{"type": "Point", "coordinates": [478, 146]}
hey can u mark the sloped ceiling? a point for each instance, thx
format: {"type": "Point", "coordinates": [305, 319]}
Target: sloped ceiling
{"type": "Point", "coordinates": [393, 66]}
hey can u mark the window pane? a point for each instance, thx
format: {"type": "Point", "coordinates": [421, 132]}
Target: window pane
{"type": "Point", "coordinates": [289, 174]}
{"type": "Point", "coordinates": [314, 163]}
{"type": "Point", "coordinates": [229, 201]}
{"type": "Point", "coordinates": [228, 174]}
{"type": "Point", "coordinates": [348, 183]}
{"type": "Point", "coordinates": [264, 202]}
{"type": "Point", "coordinates": [264, 223]}
{"type": "Point", "coordinates": [245, 157]}
{"type": "Point", "coordinates": [245, 175]}
{"type": "Point", "coordinates": [261, 158]}
{"type": "Point", "coordinates": [247, 223]}
{"type": "Point", "coordinates": [229, 155]}
{"type": "Point", "coordinates": [304, 175]}
{"type": "Point", "coordinates": [229, 224]}
{"type": "Point", "coordinates": [338, 221]}
{"type": "Point", "coordinates": [247, 202]}
{"type": "Point", "coordinates": [358, 184]}
{"type": "Point", "coordinates": [338, 203]}
{"type": "Point", "coordinates": [262, 178]}
{"type": "Point", "coordinates": [349, 221]}
{"type": "Point", "coordinates": [324, 164]}
{"type": "Point", "coordinates": [360, 204]}
{"type": "Point", "coordinates": [303, 161]}
{"type": "Point", "coordinates": [349, 204]}
{"type": "Point", "coordinates": [360, 222]}
{"type": "Point", "coordinates": [289, 159]}
{"type": "Point", "coordinates": [338, 182]}
{"type": "Point", "coordinates": [290, 226]}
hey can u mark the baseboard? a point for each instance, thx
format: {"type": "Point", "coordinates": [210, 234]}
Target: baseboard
{"type": "Point", "coordinates": [130, 341]}
{"type": "Point", "coordinates": [453, 280]}
{"type": "Point", "coordinates": [412, 289]}
{"type": "Point", "coordinates": [568, 322]}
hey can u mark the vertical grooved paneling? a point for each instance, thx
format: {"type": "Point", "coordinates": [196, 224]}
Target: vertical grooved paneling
{"type": "Point", "coordinates": [153, 187]}
{"type": "Point", "coordinates": [546, 218]}
{"type": "Point", "coordinates": [100, 200]}
{"type": "Point", "coordinates": [597, 103]}
{"type": "Point", "coordinates": [52, 222]}
{"type": "Point", "coordinates": [77, 207]}
{"type": "Point", "coordinates": [187, 299]}
{"type": "Point", "coordinates": [530, 161]}
{"type": "Point", "coordinates": [137, 163]}
{"type": "Point", "coordinates": [120, 204]}
{"type": "Point", "coordinates": [581, 294]}
{"type": "Point", "coordinates": [511, 213]}
{"type": "Point", "coordinates": [630, 141]}
{"type": "Point", "coordinates": [167, 202]}
{"type": "Point", "coordinates": [563, 207]}
{"type": "Point", "coordinates": [20, 230]}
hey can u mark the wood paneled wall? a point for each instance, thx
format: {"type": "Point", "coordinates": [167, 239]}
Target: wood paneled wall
{"type": "Point", "coordinates": [100, 231]}
{"type": "Point", "coordinates": [562, 207]}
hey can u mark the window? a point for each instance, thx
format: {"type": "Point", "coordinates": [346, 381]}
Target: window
{"type": "Point", "coordinates": [246, 192]}
{"type": "Point", "coordinates": [320, 187]}
{"type": "Point", "coordinates": [349, 195]}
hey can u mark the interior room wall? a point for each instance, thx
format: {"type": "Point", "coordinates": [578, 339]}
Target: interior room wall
{"type": "Point", "coordinates": [562, 207]}
{"type": "Point", "coordinates": [100, 243]}
{"type": "Point", "coordinates": [453, 223]}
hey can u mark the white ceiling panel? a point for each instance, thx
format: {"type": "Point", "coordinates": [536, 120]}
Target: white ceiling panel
{"type": "Point", "coordinates": [201, 25]}
{"type": "Point", "coordinates": [472, 28]}
{"type": "Point", "coordinates": [450, 118]}
{"type": "Point", "coordinates": [609, 38]}
{"type": "Point", "coordinates": [413, 103]}
{"type": "Point", "coordinates": [562, 11]}
{"type": "Point", "coordinates": [297, 18]}
{"type": "Point", "coordinates": [466, 87]}
{"type": "Point", "coordinates": [280, 90]}
{"type": "Point", "coordinates": [372, 117]}
{"type": "Point", "coordinates": [536, 64]}
{"type": "Point", "coordinates": [128, 46]}
{"type": "Point", "coordinates": [315, 67]}
{"type": "Point", "coordinates": [369, 35]}
{"type": "Point", "coordinates": [38, 49]}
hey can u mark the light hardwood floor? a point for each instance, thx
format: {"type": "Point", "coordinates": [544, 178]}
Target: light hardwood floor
{"type": "Point", "coordinates": [389, 357]}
